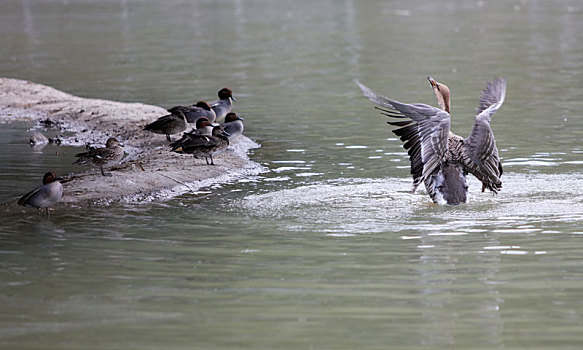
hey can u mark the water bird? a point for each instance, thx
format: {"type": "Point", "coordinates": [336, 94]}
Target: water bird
{"type": "Point", "coordinates": [233, 125]}
{"type": "Point", "coordinates": [111, 154]}
{"type": "Point", "coordinates": [439, 158]}
{"type": "Point", "coordinates": [44, 196]}
{"type": "Point", "coordinates": [224, 104]}
{"type": "Point", "coordinates": [173, 123]}
{"type": "Point", "coordinates": [204, 145]}
{"type": "Point", "coordinates": [192, 113]}
{"type": "Point", "coordinates": [203, 127]}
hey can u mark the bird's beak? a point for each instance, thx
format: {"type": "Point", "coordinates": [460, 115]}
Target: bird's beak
{"type": "Point", "coordinates": [240, 118]}
{"type": "Point", "coordinates": [432, 81]}
{"type": "Point", "coordinates": [233, 98]}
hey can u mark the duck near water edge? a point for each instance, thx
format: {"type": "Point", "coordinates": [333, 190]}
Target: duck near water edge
{"type": "Point", "coordinates": [45, 195]}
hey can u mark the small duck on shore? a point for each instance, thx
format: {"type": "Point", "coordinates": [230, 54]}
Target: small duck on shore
{"type": "Point", "coordinates": [224, 104]}
{"type": "Point", "coordinates": [174, 123]}
{"type": "Point", "coordinates": [204, 145]}
{"type": "Point", "coordinates": [233, 125]}
{"type": "Point", "coordinates": [203, 127]}
{"type": "Point", "coordinates": [109, 155]}
{"type": "Point", "coordinates": [44, 196]}
{"type": "Point", "coordinates": [192, 113]}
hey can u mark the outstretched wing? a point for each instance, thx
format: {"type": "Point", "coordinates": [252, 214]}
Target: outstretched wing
{"type": "Point", "coordinates": [479, 151]}
{"type": "Point", "coordinates": [425, 133]}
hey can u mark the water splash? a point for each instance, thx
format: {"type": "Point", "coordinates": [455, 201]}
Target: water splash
{"type": "Point", "coordinates": [528, 204]}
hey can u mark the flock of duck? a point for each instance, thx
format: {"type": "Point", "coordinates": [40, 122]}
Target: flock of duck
{"type": "Point", "coordinates": [439, 158]}
{"type": "Point", "coordinates": [205, 140]}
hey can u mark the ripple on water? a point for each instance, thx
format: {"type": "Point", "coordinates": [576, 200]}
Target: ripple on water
{"type": "Point", "coordinates": [529, 204]}
{"type": "Point", "coordinates": [528, 162]}
{"type": "Point", "coordinates": [339, 206]}
{"type": "Point", "coordinates": [541, 159]}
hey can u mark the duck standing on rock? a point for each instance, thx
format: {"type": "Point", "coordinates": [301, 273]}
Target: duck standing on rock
{"type": "Point", "coordinates": [169, 124]}
{"type": "Point", "coordinates": [440, 158]}
{"type": "Point", "coordinates": [203, 127]}
{"type": "Point", "coordinates": [204, 145]}
{"type": "Point", "coordinates": [111, 154]}
{"type": "Point", "coordinates": [44, 196]}
{"type": "Point", "coordinates": [233, 125]}
{"type": "Point", "coordinates": [224, 104]}
{"type": "Point", "coordinates": [199, 110]}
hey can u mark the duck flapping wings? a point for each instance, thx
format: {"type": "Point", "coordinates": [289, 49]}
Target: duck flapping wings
{"type": "Point", "coordinates": [426, 131]}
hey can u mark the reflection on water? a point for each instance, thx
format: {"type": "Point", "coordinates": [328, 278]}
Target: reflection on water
{"type": "Point", "coordinates": [327, 249]}
{"type": "Point", "coordinates": [22, 165]}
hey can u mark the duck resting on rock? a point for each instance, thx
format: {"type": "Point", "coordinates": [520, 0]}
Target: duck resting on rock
{"type": "Point", "coordinates": [173, 123]}
{"type": "Point", "coordinates": [109, 155]}
{"type": "Point", "coordinates": [203, 145]}
{"type": "Point", "coordinates": [439, 158]}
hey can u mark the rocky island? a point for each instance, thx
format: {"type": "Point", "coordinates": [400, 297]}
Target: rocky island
{"type": "Point", "coordinates": [149, 170]}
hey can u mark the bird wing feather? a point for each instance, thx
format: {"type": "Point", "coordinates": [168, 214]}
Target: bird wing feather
{"type": "Point", "coordinates": [479, 152]}
{"type": "Point", "coordinates": [426, 135]}
{"type": "Point", "coordinates": [26, 197]}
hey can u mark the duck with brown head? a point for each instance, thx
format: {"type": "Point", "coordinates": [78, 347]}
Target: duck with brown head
{"type": "Point", "coordinates": [224, 104]}
{"type": "Point", "coordinates": [442, 94]}
{"type": "Point", "coordinates": [439, 158]}
{"type": "Point", "coordinates": [44, 196]}
{"type": "Point", "coordinates": [204, 145]}
{"type": "Point", "coordinates": [203, 128]}
{"type": "Point", "coordinates": [233, 125]}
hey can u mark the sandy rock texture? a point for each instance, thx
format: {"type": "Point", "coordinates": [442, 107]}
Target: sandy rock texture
{"type": "Point", "coordinates": [149, 170]}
